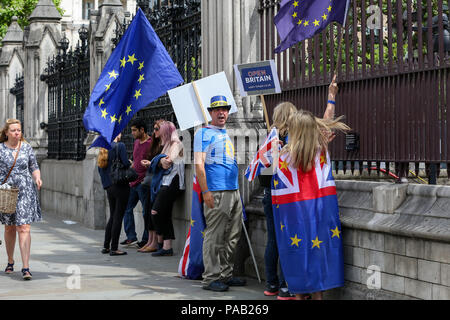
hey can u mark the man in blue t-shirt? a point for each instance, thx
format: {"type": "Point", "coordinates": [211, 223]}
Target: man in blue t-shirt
{"type": "Point", "coordinates": [217, 174]}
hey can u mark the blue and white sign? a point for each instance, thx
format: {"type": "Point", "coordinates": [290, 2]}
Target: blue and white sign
{"type": "Point", "coordinates": [257, 78]}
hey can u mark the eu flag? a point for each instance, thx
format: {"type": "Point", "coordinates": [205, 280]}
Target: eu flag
{"type": "Point", "coordinates": [308, 229]}
{"type": "Point", "coordinates": [191, 263]}
{"type": "Point", "coordinates": [138, 72]}
{"type": "Point", "coordinates": [298, 20]}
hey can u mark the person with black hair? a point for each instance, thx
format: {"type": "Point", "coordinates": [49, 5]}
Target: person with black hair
{"type": "Point", "coordinates": [138, 191]}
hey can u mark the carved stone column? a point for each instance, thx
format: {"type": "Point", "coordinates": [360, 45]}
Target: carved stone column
{"type": "Point", "coordinates": [41, 41]}
{"type": "Point", "coordinates": [11, 65]}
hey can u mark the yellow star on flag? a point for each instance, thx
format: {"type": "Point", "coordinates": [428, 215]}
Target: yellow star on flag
{"type": "Point", "coordinates": [295, 3]}
{"type": "Point", "coordinates": [101, 102]}
{"type": "Point", "coordinates": [141, 78]}
{"type": "Point", "coordinates": [282, 226]}
{"type": "Point", "coordinates": [141, 66]}
{"type": "Point", "coordinates": [322, 159]}
{"type": "Point", "coordinates": [324, 16]}
{"type": "Point", "coordinates": [316, 23]}
{"type": "Point", "coordinates": [335, 233]}
{"type": "Point", "coordinates": [329, 9]}
{"type": "Point", "coordinates": [120, 119]}
{"type": "Point", "coordinates": [295, 241]}
{"type": "Point", "coordinates": [138, 94]}
{"type": "Point", "coordinates": [275, 183]}
{"type": "Point", "coordinates": [192, 222]}
{"type": "Point", "coordinates": [203, 234]}
{"type": "Point", "coordinates": [300, 22]}
{"type": "Point", "coordinates": [113, 118]}
{"type": "Point", "coordinates": [128, 110]}
{"type": "Point", "coordinates": [104, 114]}
{"type": "Point", "coordinates": [113, 74]}
{"type": "Point", "coordinates": [108, 86]}
{"type": "Point", "coordinates": [131, 59]}
{"type": "Point", "coordinates": [306, 23]}
{"type": "Point", "coordinates": [316, 243]}
{"type": "Point", "coordinates": [123, 62]}
{"type": "Point", "coordinates": [294, 15]}
{"type": "Point", "coordinates": [283, 165]}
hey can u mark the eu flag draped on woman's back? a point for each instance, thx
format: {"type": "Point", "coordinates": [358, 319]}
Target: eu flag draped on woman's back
{"type": "Point", "coordinates": [138, 72]}
{"type": "Point", "coordinates": [307, 225]}
{"type": "Point", "coordinates": [298, 20]}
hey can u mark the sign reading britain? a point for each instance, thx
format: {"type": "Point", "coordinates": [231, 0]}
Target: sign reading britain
{"type": "Point", "coordinates": [257, 78]}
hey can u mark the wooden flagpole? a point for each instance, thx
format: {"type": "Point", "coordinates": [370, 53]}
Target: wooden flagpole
{"type": "Point", "coordinates": [200, 102]}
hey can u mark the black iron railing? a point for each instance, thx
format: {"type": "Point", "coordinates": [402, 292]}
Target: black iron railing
{"type": "Point", "coordinates": [17, 90]}
{"type": "Point", "coordinates": [67, 76]}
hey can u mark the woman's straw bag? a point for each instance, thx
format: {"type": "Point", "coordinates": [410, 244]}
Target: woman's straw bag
{"type": "Point", "coordinates": [8, 197]}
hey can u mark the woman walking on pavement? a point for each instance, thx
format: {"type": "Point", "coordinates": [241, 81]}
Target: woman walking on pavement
{"type": "Point", "coordinates": [19, 168]}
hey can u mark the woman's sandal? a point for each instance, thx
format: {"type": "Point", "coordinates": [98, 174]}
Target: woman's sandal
{"type": "Point", "coordinates": [26, 274]}
{"type": "Point", "coordinates": [9, 268]}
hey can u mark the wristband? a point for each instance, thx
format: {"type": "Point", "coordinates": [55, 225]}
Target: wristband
{"type": "Point", "coordinates": [332, 102]}
{"type": "Point", "coordinates": [203, 192]}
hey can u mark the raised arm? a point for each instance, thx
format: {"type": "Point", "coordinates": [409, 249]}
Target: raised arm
{"type": "Point", "coordinates": [332, 92]}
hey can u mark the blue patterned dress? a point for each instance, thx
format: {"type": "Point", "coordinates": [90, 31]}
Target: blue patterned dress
{"type": "Point", "coordinates": [28, 207]}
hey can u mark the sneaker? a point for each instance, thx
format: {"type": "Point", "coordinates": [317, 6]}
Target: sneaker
{"type": "Point", "coordinates": [128, 242]}
{"type": "Point", "coordinates": [284, 294]}
{"type": "Point", "coordinates": [217, 285]}
{"type": "Point", "coordinates": [271, 290]}
{"type": "Point", "coordinates": [236, 282]}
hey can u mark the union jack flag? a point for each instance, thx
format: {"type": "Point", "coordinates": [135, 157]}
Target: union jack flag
{"type": "Point", "coordinates": [191, 263]}
{"type": "Point", "coordinates": [307, 226]}
{"type": "Point", "coordinates": [264, 156]}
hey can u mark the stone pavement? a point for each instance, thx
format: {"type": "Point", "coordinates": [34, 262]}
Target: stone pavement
{"type": "Point", "coordinates": [60, 251]}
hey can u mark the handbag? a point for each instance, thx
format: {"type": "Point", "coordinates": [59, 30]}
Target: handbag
{"type": "Point", "coordinates": [121, 174]}
{"type": "Point", "coordinates": [8, 197]}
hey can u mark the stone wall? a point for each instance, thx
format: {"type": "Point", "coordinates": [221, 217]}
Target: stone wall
{"type": "Point", "coordinates": [402, 231]}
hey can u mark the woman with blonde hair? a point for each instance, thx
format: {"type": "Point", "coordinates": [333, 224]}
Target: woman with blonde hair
{"type": "Point", "coordinates": [19, 168]}
{"type": "Point", "coordinates": [275, 282]}
{"type": "Point", "coordinates": [305, 205]}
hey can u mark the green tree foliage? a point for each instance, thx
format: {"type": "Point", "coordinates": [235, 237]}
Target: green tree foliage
{"type": "Point", "coordinates": [22, 9]}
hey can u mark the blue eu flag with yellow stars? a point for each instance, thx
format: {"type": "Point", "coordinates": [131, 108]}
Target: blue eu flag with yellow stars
{"type": "Point", "coordinates": [138, 72]}
{"type": "Point", "coordinates": [298, 20]}
{"type": "Point", "coordinates": [307, 226]}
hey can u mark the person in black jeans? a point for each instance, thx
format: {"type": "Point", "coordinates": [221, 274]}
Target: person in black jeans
{"type": "Point", "coordinates": [117, 195]}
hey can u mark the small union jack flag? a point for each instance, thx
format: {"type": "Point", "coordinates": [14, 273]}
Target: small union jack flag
{"type": "Point", "coordinates": [264, 157]}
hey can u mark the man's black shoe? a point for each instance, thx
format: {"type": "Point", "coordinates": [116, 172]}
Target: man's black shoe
{"type": "Point", "coordinates": [236, 282]}
{"type": "Point", "coordinates": [216, 286]}
{"type": "Point", "coordinates": [141, 244]}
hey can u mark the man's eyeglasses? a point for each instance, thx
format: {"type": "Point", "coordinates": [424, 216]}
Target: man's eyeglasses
{"type": "Point", "coordinates": [156, 129]}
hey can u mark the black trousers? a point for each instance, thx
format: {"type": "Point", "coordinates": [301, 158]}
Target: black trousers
{"type": "Point", "coordinates": [118, 200]}
{"type": "Point", "coordinates": [163, 206]}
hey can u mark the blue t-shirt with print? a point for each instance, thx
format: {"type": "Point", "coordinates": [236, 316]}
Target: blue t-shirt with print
{"type": "Point", "coordinates": [220, 163]}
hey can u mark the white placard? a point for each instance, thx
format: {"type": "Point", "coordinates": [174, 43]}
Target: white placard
{"type": "Point", "coordinates": [186, 105]}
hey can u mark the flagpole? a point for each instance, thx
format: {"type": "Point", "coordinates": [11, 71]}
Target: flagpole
{"type": "Point", "coordinates": [251, 250]}
{"type": "Point", "coordinates": [339, 60]}
{"type": "Point", "coordinates": [266, 115]}
{"type": "Point", "coordinates": [200, 102]}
